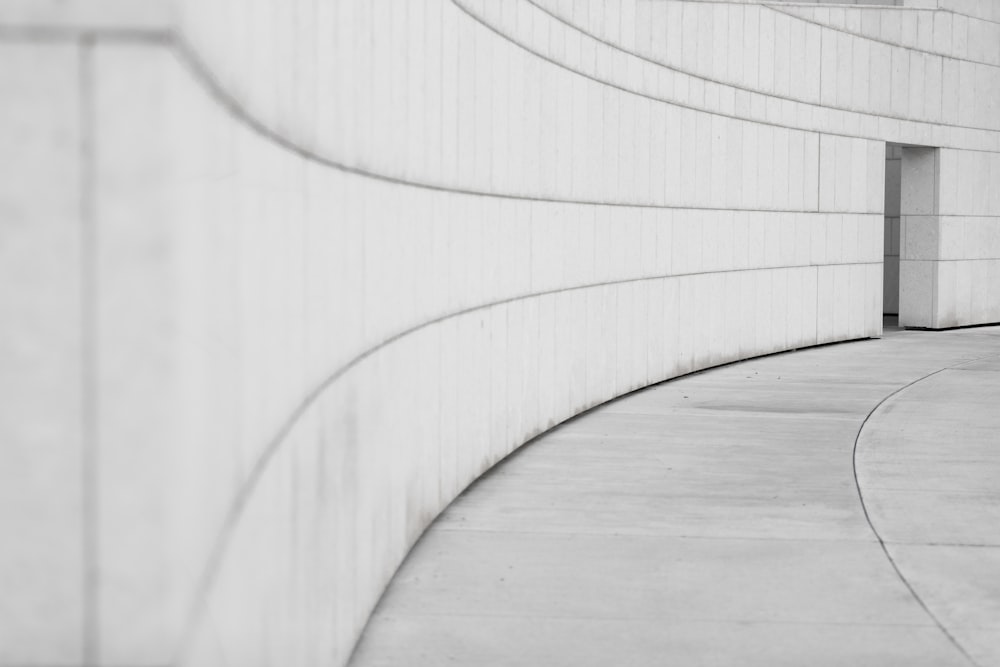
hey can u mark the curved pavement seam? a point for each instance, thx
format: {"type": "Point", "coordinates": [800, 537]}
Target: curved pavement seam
{"type": "Point", "coordinates": [878, 536]}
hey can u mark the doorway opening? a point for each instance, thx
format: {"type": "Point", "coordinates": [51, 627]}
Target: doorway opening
{"type": "Point", "coordinates": [890, 259]}
{"type": "Point", "coordinates": [911, 224]}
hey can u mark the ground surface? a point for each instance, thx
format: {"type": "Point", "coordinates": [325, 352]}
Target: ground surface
{"type": "Point", "coordinates": [833, 506]}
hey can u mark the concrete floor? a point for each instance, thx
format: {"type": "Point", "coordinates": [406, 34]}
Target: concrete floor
{"type": "Point", "coordinates": [717, 520]}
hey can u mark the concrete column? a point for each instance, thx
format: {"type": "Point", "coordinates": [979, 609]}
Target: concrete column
{"type": "Point", "coordinates": [919, 246]}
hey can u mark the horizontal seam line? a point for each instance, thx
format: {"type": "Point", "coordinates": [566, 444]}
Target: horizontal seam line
{"type": "Point", "coordinates": [673, 68]}
{"type": "Point", "coordinates": [845, 31]}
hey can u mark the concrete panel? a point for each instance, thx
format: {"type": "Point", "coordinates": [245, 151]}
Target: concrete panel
{"type": "Point", "coordinates": [919, 237]}
{"type": "Point", "coordinates": [917, 290]}
{"type": "Point", "coordinates": [46, 423]}
{"type": "Point", "coordinates": [919, 181]}
{"type": "Point", "coordinates": [137, 347]}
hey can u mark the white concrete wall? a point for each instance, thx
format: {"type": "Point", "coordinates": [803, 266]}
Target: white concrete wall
{"type": "Point", "coordinates": [44, 438]}
{"type": "Point", "coordinates": [338, 259]}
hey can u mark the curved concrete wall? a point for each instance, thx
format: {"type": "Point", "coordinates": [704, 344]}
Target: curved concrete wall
{"type": "Point", "coordinates": [326, 263]}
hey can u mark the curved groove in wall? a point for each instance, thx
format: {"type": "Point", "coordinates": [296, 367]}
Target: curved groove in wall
{"type": "Point", "coordinates": [735, 86]}
{"type": "Point", "coordinates": [975, 146]}
{"type": "Point", "coordinates": [852, 4]}
{"type": "Point", "coordinates": [779, 9]}
{"type": "Point", "coordinates": [275, 443]}
{"type": "Point", "coordinates": [189, 56]}
{"type": "Point", "coordinates": [967, 12]}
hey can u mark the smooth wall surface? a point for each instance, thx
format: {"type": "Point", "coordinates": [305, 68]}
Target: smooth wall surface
{"type": "Point", "coordinates": [43, 436]}
{"type": "Point", "coordinates": [338, 259]}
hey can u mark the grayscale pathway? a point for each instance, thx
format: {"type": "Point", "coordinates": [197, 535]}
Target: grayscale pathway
{"type": "Point", "coordinates": [832, 506]}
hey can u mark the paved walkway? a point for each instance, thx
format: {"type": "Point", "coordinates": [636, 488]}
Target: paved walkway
{"type": "Point", "coordinates": [717, 520]}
